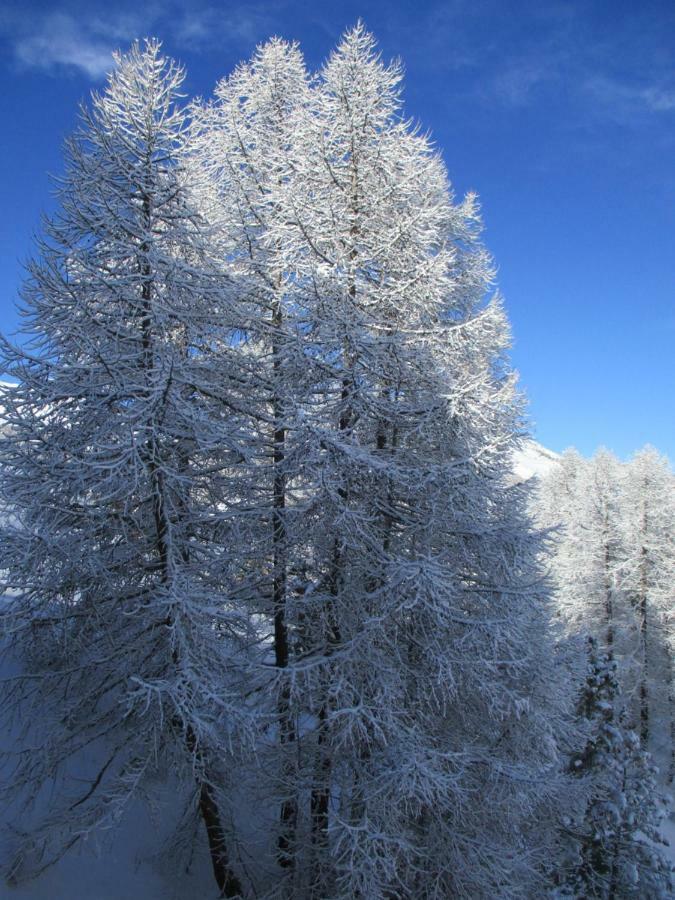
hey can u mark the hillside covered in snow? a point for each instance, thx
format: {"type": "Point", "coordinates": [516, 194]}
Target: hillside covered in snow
{"type": "Point", "coordinates": [533, 460]}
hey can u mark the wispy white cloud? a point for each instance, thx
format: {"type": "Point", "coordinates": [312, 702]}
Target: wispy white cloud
{"type": "Point", "coordinates": [516, 84]}
{"type": "Point", "coordinates": [207, 26]}
{"type": "Point", "coordinates": [584, 81]}
{"type": "Point", "coordinates": [626, 101]}
{"type": "Point", "coordinates": [659, 99]}
{"type": "Point", "coordinates": [59, 41]}
{"type": "Point", "coordinates": [549, 54]}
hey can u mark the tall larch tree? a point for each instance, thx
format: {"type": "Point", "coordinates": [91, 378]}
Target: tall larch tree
{"type": "Point", "coordinates": [423, 647]}
{"type": "Point", "coordinates": [245, 145]}
{"type": "Point", "coordinates": [557, 506]}
{"type": "Point", "coordinates": [263, 529]}
{"type": "Point", "coordinates": [647, 577]}
{"type": "Point", "coordinates": [582, 500]}
{"type": "Point", "coordinates": [117, 460]}
{"type": "Point", "coordinates": [602, 495]}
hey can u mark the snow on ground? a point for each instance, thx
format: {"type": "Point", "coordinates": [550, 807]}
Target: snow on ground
{"type": "Point", "coordinates": [130, 863]}
{"type": "Point", "coordinates": [128, 869]}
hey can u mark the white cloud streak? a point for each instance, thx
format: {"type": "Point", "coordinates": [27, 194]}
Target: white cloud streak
{"type": "Point", "coordinates": [625, 101]}
{"type": "Point", "coordinates": [59, 41]}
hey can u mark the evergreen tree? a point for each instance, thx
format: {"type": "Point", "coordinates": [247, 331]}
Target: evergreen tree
{"type": "Point", "coordinates": [613, 568]}
{"type": "Point", "coordinates": [557, 505]}
{"type": "Point", "coordinates": [603, 542]}
{"type": "Point", "coordinates": [424, 615]}
{"type": "Point", "coordinates": [648, 569]}
{"type": "Point", "coordinates": [244, 146]}
{"type": "Point", "coordinates": [259, 481]}
{"type": "Point", "coordinates": [117, 463]}
{"type": "Point", "coordinates": [583, 502]}
{"type": "Point", "coordinates": [618, 836]}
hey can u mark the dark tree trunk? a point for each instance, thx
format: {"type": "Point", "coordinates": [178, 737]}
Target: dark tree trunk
{"type": "Point", "coordinates": [289, 807]}
{"type": "Point", "coordinates": [226, 880]}
{"type": "Point", "coordinates": [642, 612]}
{"type": "Point", "coordinates": [228, 883]}
{"type": "Point", "coordinates": [609, 599]}
{"type": "Point", "coordinates": [671, 706]}
{"type": "Point", "coordinates": [320, 795]}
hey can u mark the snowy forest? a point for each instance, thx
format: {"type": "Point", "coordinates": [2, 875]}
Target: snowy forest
{"type": "Point", "coordinates": [281, 618]}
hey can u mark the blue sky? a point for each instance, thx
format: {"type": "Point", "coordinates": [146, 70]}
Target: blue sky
{"type": "Point", "coordinates": [560, 114]}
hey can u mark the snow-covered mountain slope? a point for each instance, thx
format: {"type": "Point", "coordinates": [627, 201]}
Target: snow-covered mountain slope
{"type": "Point", "coordinates": [533, 460]}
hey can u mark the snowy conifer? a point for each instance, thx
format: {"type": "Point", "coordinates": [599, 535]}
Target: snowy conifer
{"type": "Point", "coordinates": [121, 447]}
{"type": "Point", "coordinates": [245, 144]}
{"type": "Point", "coordinates": [613, 566]}
{"type": "Point", "coordinates": [583, 500]}
{"type": "Point", "coordinates": [618, 836]}
{"type": "Point", "coordinates": [647, 577]}
{"type": "Point", "coordinates": [422, 651]}
{"type": "Point", "coordinates": [259, 473]}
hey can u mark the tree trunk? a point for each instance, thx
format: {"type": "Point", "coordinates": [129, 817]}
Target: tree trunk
{"type": "Point", "coordinates": [228, 883]}
{"type": "Point", "coordinates": [289, 807]}
{"type": "Point", "coordinates": [671, 706]}
{"type": "Point", "coordinates": [609, 600]}
{"type": "Point", "coordinates": [642, 612]}
{"type": "Point", "coordinates": [320, 796]}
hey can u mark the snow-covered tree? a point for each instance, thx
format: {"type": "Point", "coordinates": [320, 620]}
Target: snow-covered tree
{"type": "Point", "coordinates": [610, 568]}
{"type": "Point", "coordinates": [123, 439]}
{"type": "Point", "coordinates": [647, 577]}
{"type": "Point", "coordinates": [419, 674]}
{"type": "Point", "coordinates": [613, 565]}
{"type": "Point", "coordinates": [582, 499]}
{"type": "Point", "coordinates": [246, 145]}
{"type": "Point", "coordinates": [261, 527]}
{"type": "Point", "coordinates": [601, 492]}
{"type": "Point", "coordinates": [560, 503]}
{"type": "Point", "coordinates": [618, 835]}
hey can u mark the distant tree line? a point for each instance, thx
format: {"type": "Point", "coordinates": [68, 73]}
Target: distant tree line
{"type": "Point", "coordinates": [613, 568]}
